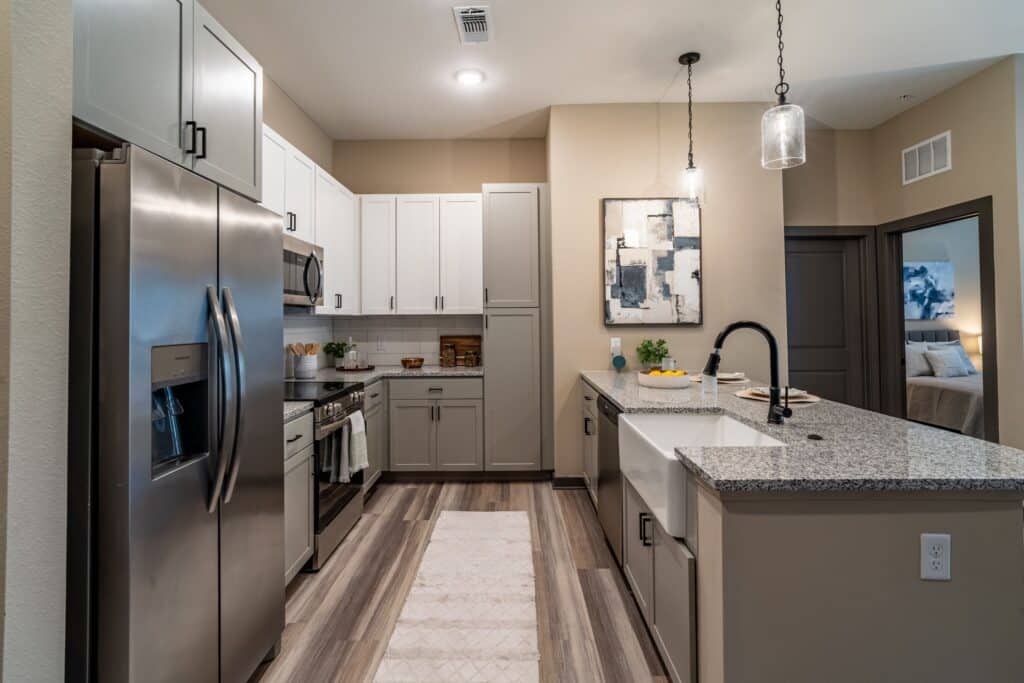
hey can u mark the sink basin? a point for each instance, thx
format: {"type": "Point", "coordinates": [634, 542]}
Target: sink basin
{"type": "Point", "coordinates": [647, 444]}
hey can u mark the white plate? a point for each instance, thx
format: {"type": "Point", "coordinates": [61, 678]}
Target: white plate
{"type": "Point", "coordinates": [765, 391]}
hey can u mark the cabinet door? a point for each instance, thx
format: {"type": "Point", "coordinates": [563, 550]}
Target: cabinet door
{"type": "Point", "coordinates": [275, 160]}
{"type": "Point", "coordinates": [462, 260]}
{"type": "Point", "coordinates": [377, 240]}
{"type": "Point", "coordinates": [417, 254]}
{"type": "Point", "coordinates": [590, 454]}
{"type": "Point", "coordinates": [413, 437]}
{"type": "Point", "coordinates": [512, 389]}
{"type": "Point", "coordinates": [675, 615]}
{"type": "Point", "coordinates": [637, 541]}
{"type": "Point", "coordinates": [460, 435]}
{"type": "Point", "coordinates": [300, 190]}
{"type": "Point", "coordinates": [336, 233]}
{"type": "Point", "coordinates": [227, 105]}
{"type": "Point", "coordinates": [298, 511]}
{"type": "Point", "coordinates": [375, 441]}
{"type": "Point", "coordinates": [511, 246]}
{"type": "Point", "coordinates": [132, 71]}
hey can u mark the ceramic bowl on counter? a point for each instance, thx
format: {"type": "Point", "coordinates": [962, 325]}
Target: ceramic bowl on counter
{"type": "Point", "coordinates": [663, 380]}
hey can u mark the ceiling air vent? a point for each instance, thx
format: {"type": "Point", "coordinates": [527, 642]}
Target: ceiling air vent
{"type": "Point", "coordinates": [474, 23]}
{"type": "Point", "coordinates": [928, 158]}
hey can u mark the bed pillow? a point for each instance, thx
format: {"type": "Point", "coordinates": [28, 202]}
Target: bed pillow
{"type": "Point", "coordinates": [946, 362]}
{"type": "Point", "coordinates": [961, 351]}
{"type": "Point", "coordinates": [917, 364]}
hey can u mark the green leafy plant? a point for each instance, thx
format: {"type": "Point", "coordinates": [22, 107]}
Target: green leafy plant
{"type": "Point", "coordinates": [338, 349]}
{"type": "Point", "coordinates": [652, 352]}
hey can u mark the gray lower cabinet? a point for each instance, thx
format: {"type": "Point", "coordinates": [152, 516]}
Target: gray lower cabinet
{"type": "Point", "coordinates": [298, 511]}
{"type": "Point", "coordinates": [460, 435]}
{"type": "Point", "coordinates": [376, 416]}
{"type": "Point", "coordinates": [434, 435]}
{"type": "Point", "coordinates": [512, 424]}
{"type": "Point", "coordinates": [164, 75]}
{"type": "Point", "coordinates": [413, 443]}
{"type": "Point", "coordinates": [661, 571]}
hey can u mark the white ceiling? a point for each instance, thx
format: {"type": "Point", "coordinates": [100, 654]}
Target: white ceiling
{"type": "Point", "coordinates": [366, 69]}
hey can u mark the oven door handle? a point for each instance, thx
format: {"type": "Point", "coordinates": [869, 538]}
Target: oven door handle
{"type": "Point", "coordinates": [226, 394]}
{"type": "Point", "coordinates": [327, 430]}
{"type": "Point", "coordinates": [240, 396]}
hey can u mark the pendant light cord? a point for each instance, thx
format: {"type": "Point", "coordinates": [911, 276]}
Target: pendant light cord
{"type": "Point", "coordinates": [782, 88]}
{"type": "Point", "coordinates": [689, 109]}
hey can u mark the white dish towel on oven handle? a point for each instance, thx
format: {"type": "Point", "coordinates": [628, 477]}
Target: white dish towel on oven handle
{"type": "Point", "coordinates": [357, 442]}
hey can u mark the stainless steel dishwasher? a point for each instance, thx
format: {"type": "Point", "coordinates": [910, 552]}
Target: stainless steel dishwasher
{"type": "Point", "coordinates": [609, 477]}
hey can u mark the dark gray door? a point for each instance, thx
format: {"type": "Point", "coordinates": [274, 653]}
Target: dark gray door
{"type": "Point", "coordinates": [252, 509]}
{"type": "Point", "coordinates": [825, 306]}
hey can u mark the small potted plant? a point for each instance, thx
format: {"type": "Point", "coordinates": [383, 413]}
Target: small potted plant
{"type": "Point", "coordinates": [340, 351]}
{"type": "Point", "coordinates": [651, 353]}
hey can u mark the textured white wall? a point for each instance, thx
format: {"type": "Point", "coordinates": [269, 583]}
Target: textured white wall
{"type": "Point", "coordinates": [41, 47]}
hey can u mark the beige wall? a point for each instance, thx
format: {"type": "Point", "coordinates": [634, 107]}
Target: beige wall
{"type": "Point", "coordinates": [835, 186]}
{"type": "Point", "coordinates": [5, 283]}
{"type": "Point", "coordinates": [638, 150]}
{"type": "Point", "coordinates": [410, 166]}
{"type": "Point", "coordinates": [282, 114]}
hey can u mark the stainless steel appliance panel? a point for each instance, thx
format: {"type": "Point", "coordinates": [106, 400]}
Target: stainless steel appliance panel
{"type": "Point", "coordinates": [252, 510]}
{"type": "Point", "coordinates": [157, 568]}
{"type": "Point", "coordinates": [303, 276]}
{"type": "Point", "coordinates": [609, 476]}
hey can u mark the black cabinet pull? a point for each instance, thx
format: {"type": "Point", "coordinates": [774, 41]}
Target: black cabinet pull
{"type": "Point", "coordinates": [435, 302]}
{"type": "Point", "coordinates": [485, 295]}
{"type": "Point", "coordinates": [294, 438]}
{"type": "Point", "coordinates": [586, 426]}
{"type": "Point", "coordinates": [202, 129]}
{"type": "Point", "coordinates": [432, 389]}
{"type": "Point", "coordinates": [374, 395]}
{"type": "Point", "coordinates": [442, 302]}
{"type": "Point", "coordinates": [391, 306]}
{"type": "Point", "coordinates": [439, 413]}
{"type": "Point", "coordinates": [190, 132]}
{"type": "Point", "coordinates": [644, 538]}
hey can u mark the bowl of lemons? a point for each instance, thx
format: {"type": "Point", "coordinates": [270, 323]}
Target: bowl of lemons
{"type": "Point", "coordinates": [664, 379]}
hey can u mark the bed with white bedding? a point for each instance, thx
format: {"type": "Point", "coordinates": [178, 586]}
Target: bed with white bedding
{"type": "Point", "coordinates": [955, 403]}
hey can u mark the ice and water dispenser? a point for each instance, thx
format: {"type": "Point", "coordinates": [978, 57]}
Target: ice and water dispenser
{"type": "Point", "coordinates": [181, 419]}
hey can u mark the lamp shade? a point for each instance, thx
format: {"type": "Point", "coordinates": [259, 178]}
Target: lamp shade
{"type": "Point", "coordinates": [782, 137]}
{"type": "Point", "coordinates": [693, 184]}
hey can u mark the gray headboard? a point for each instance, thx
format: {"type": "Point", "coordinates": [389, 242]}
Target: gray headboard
{"type": "Point", "coordinates": [933, 335]}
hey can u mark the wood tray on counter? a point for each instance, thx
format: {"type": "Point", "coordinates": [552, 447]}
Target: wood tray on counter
{"type": "Point", "coordinates": [366, 369]}
{"type": "Point", "coordinates": [463, 343]}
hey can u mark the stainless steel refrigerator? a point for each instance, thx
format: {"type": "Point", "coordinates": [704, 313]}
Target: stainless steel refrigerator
{"type": "Point", "coordinates": [176, 560]}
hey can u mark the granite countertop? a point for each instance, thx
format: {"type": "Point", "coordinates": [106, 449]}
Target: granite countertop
{"type": "Point", "coordinates": [293, 409]}
{"type": "Point", "coordinates": [392, 371]}
{"type": "Point", "coordinates": [859, 450]}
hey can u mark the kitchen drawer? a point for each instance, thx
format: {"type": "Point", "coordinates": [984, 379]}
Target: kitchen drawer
{"type": "Point", "coordinates": [375, 395]}
{"type": "Point", "coordinates": [298, 434]}
{"type": "Point", "coordinates": [442, 388]}
{"type": "Point", "coordinates": [588, 399]}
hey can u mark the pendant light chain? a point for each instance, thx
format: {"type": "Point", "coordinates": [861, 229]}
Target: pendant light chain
{"type": "Point", "coordinates": [689, 109]}
{"type": "Point", "coordinates": [782, 88]}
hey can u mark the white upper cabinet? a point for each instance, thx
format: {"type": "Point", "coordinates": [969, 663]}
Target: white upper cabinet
{"type": "Point", "coordinates": [162, 74]}
{"type": "Point", "coordinates": [461, 250]}
{"type": "Point", "coordinates": [275, 162]}
{"type": "Point", "coordinates": [299, 188]}
{"type": "Point", "coordinates": [227, 108]}
{"type": "Point", "coordinates": [417, 254]}
{"type": "Point", "coordinates": [336, 232]}
{"type": "Point", "coordinates": [377, 238]}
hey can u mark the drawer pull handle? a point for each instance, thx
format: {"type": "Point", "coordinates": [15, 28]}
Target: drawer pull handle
{"type": "Point", "coordinates": [644, 538]}
{"type": "Point", "coordinates": [294, 438]}
{"type": "Point", "coordinates": [374, 395]}
{"type": "Point", "coordinates": [435, 389]}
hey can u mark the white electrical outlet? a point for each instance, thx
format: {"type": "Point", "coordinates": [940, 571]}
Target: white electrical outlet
{"type": "Point", "coordinates": [616, 346]}
{"type": "Point", "coordinates": [935, 557]}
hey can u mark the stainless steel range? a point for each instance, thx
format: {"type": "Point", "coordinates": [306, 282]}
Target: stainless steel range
{"type": "Point", "coordinates": [337, 495]}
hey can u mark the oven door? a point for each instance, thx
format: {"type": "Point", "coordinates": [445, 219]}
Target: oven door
{"type": "Point", "coordinates": [303, 273]}
{"type": "Point", "coordinates": [332, 495]}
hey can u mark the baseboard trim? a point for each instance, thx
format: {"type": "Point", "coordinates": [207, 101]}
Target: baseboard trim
{"type": "Point", "coordinates": [568, 483]}
{"type": "Point", "coordinates": [416, 477]}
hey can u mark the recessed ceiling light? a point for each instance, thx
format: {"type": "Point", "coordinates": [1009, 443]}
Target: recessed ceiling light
{"type": "Point", "coordinates": [469, 77]}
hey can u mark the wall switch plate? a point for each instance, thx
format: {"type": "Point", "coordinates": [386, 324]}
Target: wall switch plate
{"type": "Point", "coordinates": [935, 557]}
{"type": "Point", "coordinates": [616, 346]}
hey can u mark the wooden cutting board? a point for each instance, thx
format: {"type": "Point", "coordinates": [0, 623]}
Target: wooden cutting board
{"type": "Point", "coordinates": [463, 343]}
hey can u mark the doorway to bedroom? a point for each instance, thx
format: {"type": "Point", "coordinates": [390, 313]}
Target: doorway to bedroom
{"type": "Point", "coordinates": [937, 319]}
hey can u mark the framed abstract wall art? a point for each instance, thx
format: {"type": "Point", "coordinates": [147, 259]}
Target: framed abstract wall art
{"type": "Point", "coordinates": [928, 290]}
{"type": "Point", "coordinates": [652, 262]}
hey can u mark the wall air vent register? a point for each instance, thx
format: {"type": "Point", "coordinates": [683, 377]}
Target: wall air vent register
{"type": "Point", "coordinates": [928, 158]}
{"type": "Point", "coordinates": [473, 23]}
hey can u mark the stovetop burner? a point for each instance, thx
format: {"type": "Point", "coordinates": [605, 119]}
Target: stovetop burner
{"type": "Point", "coordinates": [319, 392]}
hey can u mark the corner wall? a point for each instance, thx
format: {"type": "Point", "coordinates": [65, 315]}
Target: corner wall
{"type": "Point", "coordinates": [638, 150]}
{"type": "Point", "coordinates": [293, 124]}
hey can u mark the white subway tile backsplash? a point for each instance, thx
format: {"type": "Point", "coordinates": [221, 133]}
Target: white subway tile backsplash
{"type": "Point", "coordinates": [388, 339]}
{"type": "Point", "coordinates": [306, 328]}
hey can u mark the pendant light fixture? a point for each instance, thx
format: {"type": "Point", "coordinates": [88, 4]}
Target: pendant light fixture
{"type": "Point", "coordinates": [693, 177]}
{"type": "Point", "coordinates": [782, 126]}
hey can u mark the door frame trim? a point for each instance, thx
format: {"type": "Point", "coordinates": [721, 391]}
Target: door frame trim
{"type": "Point", "coordinates": [892, 332]}
{"type": "Point", "coordinates": [869, 294]}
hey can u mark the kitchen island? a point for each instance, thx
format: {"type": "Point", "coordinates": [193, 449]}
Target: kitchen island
{"type": "Point", "coordinates": [808, 555]}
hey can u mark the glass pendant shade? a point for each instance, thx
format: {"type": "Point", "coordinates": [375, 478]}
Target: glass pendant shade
{"type": "Point", "coordinates": [693, 185]}
{"type": "Point", "coordinates": [782, 137]}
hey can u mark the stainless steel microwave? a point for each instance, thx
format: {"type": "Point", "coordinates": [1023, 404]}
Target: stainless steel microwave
{"type": "Point", "coordinates": [303, 273]}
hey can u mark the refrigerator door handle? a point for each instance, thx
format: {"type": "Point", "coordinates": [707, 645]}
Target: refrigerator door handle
{"type": "Point", "coordinates": [224, 447]}
{"type": "Point", "coordinates": [239, 350]}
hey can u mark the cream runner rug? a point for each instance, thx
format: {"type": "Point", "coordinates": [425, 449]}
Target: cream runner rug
{"type": "Point", "coordinates": [471, 614]}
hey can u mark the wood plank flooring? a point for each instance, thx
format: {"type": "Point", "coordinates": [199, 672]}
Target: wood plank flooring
{"type": "Point", "coordinates": [339, 620]}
